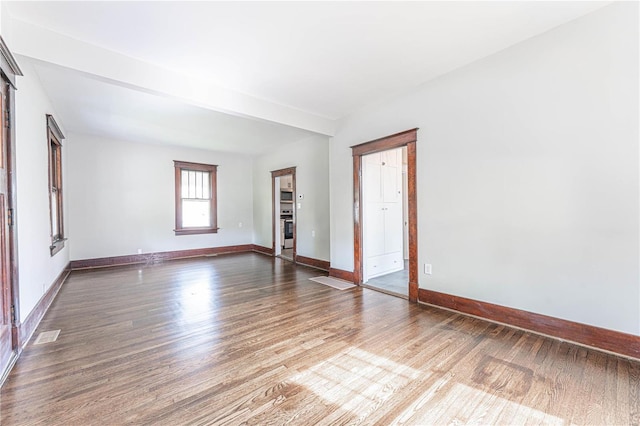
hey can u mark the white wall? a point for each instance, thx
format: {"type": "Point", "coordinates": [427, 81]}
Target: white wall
{"type": "Point", "coordinates": [5, 24]}
{"type": "Point", "coordinates": [37, 269]}
{"type": "Point", "coordinates": [528, 192]}
{"type": "Point", "coordinates": [121, 198]}
{"type": "Point", "coordinates": [311, 159]}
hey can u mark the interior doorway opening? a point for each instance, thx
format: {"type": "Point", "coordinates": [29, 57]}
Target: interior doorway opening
{"type": "Point", "coordinates": [406, 140]}
{"type": "Point", "coordinates": [385, 246]}
{"type": "Point", "coordinates": [284, 217]}
{"type": "Point", "coordinates": [9, 300]}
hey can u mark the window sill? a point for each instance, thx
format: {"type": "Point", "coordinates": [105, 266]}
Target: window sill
{"type": "Point", "coordinates": [195, 231]}
{"type": "Point", "coordinates": [56, 246]}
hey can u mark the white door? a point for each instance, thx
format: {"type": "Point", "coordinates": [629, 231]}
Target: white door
{"type": "Point", "coordinates": [382, 229]}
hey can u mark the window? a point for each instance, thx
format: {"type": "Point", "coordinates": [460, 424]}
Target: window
{"type": "Point", "coordinates": [55, 137]}
{"type": "Point", "coordinates": [196, 210]}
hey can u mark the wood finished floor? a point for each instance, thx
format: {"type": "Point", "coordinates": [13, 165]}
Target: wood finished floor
{"type": "Point", "coordinates": [247, 339]}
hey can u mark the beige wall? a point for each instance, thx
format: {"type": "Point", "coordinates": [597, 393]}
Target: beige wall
{"type": "Point", "coordinates": [37, 269]}
{"type": "Point", "coordinates": [311, 159]}
{"type": "Point", "coordinates": [528, 191]}
{"type": "Point", "coordinates": [121, 198]}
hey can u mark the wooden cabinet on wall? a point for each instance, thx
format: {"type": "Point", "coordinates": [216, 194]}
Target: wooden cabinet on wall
{"type": "Point", "coordinates": [382, 213]}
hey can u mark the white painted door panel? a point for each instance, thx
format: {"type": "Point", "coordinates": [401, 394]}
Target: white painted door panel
{"type": "Point", "coordinates": [374, 235]}
{"type": "Point", "coordinates": [382, 213]}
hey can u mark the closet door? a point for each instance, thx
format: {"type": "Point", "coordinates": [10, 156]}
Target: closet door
{"type": "Point", "coordinates": [374, 219]}
{"type": "Point", "coordinates": [393, 228]}
{"type": "Point", "coordinates": [391, 167]}
{"type": "Point", "coordinates": [382, 213]}
{"type": "Point", "coordinates": [392, 197]}
{"type": "Point", "coordinates": [372, 178]}
{"type": "Point", "coordinates": [373, 214]}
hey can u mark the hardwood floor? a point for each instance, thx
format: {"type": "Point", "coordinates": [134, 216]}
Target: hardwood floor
{"type": "Point", "coordinates": [249, 339]}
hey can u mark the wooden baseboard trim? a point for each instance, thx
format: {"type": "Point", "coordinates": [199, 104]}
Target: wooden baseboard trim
{"type": "Point", "coordinates": [26, 328]}
{"type": "Point", "coordinates": [583, 334]}
{"type": "Point", "coordinates": [262, 249]}
{"type": "Point", "coordinates": [314, 263]}
{"type": "Point", "coordinates": [342, 274]}
{"type": "Point", "coordinates": [157, 257]}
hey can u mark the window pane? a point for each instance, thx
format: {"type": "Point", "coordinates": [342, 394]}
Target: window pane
{"type": "Point", "coordinates": [54, 214]}
{"type": "Point", "coordinates": [53, 162]}
{"type": "Point", "coordinates": [184, 180]}
{"type": "Point", "coordinates": [195, 194]}
{"type": "Point", "coordinates": [195, 185]}
{"type": "Point", "coordinates": [198, 185]}
{"type": "Point", "coordinates": [195, 213]}
{"type": "Point", "coordinates": [192, 184]}
{"type": "Point", "coordinates": [206, 182]}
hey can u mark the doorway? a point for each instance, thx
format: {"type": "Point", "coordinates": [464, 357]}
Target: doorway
{"type": "Point", "coordinates": [284, 217]}
{"type": "Point", "coordinates": [385, 262]}
{"type": "Point", "coordinates": [377, 220]}
{"type": "Point", "coordinates": [8, 248]}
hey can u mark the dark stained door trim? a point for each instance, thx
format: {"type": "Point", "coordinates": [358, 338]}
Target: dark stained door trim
{"type": "Point", "coordinates": [9, 69]}
{"type": "Point", "coordinates": [407, 138]}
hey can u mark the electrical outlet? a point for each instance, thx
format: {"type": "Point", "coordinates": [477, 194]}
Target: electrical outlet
{"type": "Point", "coordinates": [313, 233]}
{"type": "Point", "coordinates": [427, 268]}
{"type": "Point", "coordinates": [139, 251]}
{"type": "Point", "coordinates": [239, 224]}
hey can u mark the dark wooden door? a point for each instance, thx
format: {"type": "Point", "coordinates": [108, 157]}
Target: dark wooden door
{"type": "Point", "coordinates": [6, 343]}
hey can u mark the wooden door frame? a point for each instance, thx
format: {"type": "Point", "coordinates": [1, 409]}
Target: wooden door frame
{"type": "Point", "coordinates": [9, 69]}
{"type": "Point", "coordinates": [274, 174]}
{"type": "Point", "coordinates": [407, 138]}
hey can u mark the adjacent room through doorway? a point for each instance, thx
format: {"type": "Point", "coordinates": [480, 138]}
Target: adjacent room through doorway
{"type": "Point", "coordinates": [385, 221]}
{"type": "Point", "coordinates": [385, 237]}
{"type": "Point", "coordinates": [284, 229]}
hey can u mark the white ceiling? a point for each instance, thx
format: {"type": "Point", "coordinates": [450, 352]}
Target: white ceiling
{"type": "Point", "coordinates": [302, 64]}
{"type": "Point", "coordinates": [91, 106]}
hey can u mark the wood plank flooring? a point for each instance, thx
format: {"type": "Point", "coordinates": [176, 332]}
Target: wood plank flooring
{"type": "Point", "coordinates": [247, 339]}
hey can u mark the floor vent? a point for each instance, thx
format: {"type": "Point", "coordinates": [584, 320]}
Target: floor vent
{"type": "Point", "coordinates": [47, 337]}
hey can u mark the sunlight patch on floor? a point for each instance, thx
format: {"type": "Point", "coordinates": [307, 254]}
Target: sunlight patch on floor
{"type": "Point", "coordinates": [363, 379]}
{"type": "Point", "coordinates": [462, 404]}
{"type": "Point", "coordinates": [196, 301]}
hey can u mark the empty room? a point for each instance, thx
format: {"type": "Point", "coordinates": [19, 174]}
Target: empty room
{"type": "Point", "coordinates": [319, 213]}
